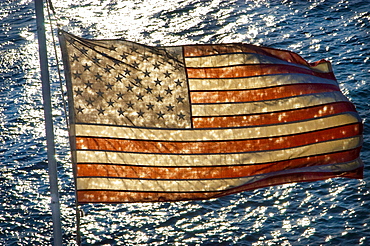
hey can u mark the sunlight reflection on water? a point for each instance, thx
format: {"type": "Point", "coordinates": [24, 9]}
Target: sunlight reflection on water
{"type": "Point", "coordinates": [330, 212]}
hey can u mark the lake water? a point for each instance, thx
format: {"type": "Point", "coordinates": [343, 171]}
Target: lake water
{"type": "Point", "coordinates": [330, 212]}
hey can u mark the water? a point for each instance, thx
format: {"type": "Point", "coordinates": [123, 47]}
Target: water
{"type": "Point", "coordinates": [331, 212]}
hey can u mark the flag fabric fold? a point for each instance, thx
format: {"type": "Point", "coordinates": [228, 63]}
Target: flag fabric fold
{"type": "Point", "coordinates": [192, 122]}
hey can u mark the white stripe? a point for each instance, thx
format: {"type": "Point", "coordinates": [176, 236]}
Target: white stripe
{"type": "Point", "coordinates": [267, 106]}
{"type": "Point", "coordinates": [257, 82]}
{"type": "Point", "coordinates": [245, 59]}
{"type": "Point", "coordinates": [324, 67]}
{"type": "Point", "coordinates": [218, 133]}
{"type": "Point", "coordinates": [233, 59]}
{"type": "Point", "coordinates": [257, 157]}
{"type": "Point", "coordinates": [199, 185]}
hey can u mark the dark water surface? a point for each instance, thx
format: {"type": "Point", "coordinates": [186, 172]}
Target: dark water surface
{"type": "Point", "coordinates": [331, 212]}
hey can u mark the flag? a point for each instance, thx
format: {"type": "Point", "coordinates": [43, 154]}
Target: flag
{"type": "Point", "coordinates": [197, 122]}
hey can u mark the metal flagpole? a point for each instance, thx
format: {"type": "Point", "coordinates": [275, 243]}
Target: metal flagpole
{"type": "Point", "coordinates": [52, 165]}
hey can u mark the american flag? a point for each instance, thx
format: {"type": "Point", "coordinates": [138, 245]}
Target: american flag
{"type": "Point", "coordinates": [202, 121]}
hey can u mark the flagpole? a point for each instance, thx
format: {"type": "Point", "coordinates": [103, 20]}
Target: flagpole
{"type": "Point", "coordinates": [52, 165]}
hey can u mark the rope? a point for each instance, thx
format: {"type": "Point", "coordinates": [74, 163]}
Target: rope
{"type": "Point", "coordinates": [51, 8]}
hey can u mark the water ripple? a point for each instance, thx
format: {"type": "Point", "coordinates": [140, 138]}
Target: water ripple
{"type": "Point", "coordinates": [331, 212]}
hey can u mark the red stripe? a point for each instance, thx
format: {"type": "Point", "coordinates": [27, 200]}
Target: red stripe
{"type": "Point", "coordinates": [242, 71]}
{"type": "Point", "coordinates": [293, 178]}
{"type": "Point", "coordinates": [127, 196]}
{"type": "Point", "coordinates": [273, 118]}
{"type": "Point", "coordinates": [234, 146]}
{"type": "Point", "coordinates": [260, 94]}
{"type": "Point", "coordinates": [210, 172]}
